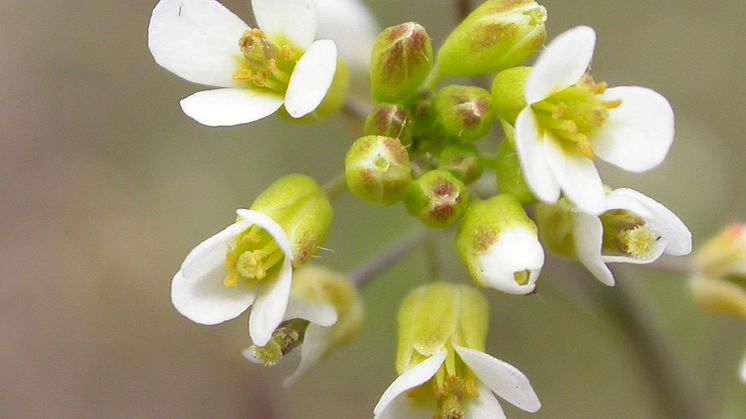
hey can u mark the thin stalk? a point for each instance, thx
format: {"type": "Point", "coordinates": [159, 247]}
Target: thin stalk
{"type": "Point", "coordinates": [437, 270]}
{"type": "Point", "coordinates": [335, 187]}
{"type": "Point", "coordinates": [388, 257]}
{"type": "Point", "coordinates": [356, 108]}
{"type": "Point", "coordinates": [463, 8]}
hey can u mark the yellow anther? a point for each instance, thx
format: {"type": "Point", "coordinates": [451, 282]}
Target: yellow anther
{"type": "Point", "coordinates": [259, 80]}
{"type": "Point", "coordinates": [243, 74]}
{"type": "Point", "coordinates": [613, 104]}
{"type": "Point", "coordinates": [585, 147]}
{"type": "Point", "coordinates": [560, 111]}
{"type": "Point", "coordinates": [232, 279]}
{"type": "Point", "coordinates": [250, 266]}
{"type": "Point", "coordinates": [286, 52]}
{"type": "Point", "coordinates": [639, 241]}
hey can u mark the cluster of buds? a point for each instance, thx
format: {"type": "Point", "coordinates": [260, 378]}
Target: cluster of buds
{"type": "Point", "coordinates": [423, 145]}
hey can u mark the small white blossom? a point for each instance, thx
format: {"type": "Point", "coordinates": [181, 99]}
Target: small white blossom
{"type": "Point", "coordinates": [404, 400]}
{"type": "Point", "coordinates": [633, 228]}
{"type": "Point", "coordinates": [208, 290]}
{"type": "Point", "coordinates": [569, 120]}
{"type": "Point", "coordinates": [256, 70]}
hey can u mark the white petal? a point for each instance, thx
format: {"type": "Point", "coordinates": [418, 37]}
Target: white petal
{"type": "Point", "coordinates": [231, 106]}
{"type": "Point", "coordinates": [743, 370]}
{"type": "Point", "coordinates": [528, 138]}
{"type": "Point", "coordinates": [352, 26]}
{"type": "Point", "coordinates": [639, 133]}
{"type": "Point", "coordinates": [561, 64]}
{"type": "Point", "coordinates": [311, 78]}
{"type": "Point", "coordinates": [577, 175]}
{"type": "Point", "coordinates": [410, 379]}
{"type": "Point", "coordinates": [205, 300]}
{"type": "Point", "coordinates": [658, 248]}
{"type": "Point", "coordinates": [318, 313]}
{"type": "Point", "coordinates": [485, 406]}
{"type": "Point", "coordinates": [404, 407]}
{"type": "Point", "coordinates": [661, 219]}
{"type": "Point", "coordinates": [502, 378]}
{"type": "Point", "coordinates": [588, 235]}
{"type": "Point", "coordinates": [270, 306]}
{"type": "Point", "coordinates": [210, 254]}
{"type": "Point", "coordinates": [517, 249]}
{"type": "Point", "coordinates": [315, 344]}
{"type": "Point", "coordinates": [196, 40]}
{"type": "Point", "coordinates": [270, 226]}
{"type": "Point", "coordinates": [291, 19]}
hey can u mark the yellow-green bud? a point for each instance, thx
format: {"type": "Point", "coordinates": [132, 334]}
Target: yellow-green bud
{"type": "Point", "coordinates": [437, 198]}
{"type": "Point", "coordinates": [462, 161]}
{"type": "Point", "coordinates": [300, 207]}
{"type": "Point", "coordinates": [718, 282]}
{"type": "Point", "coordinates": [390, 120]}
{"type": "Point", "coordinates": [436, 316]}
{"type": "Point", "coordinates": [497, 242]}
{"type": "Point", "coordinates": [466, 112]}
{"type": "Point", "coordinates": [321, 285]}
{"type": "Point", "coordinates": [401, 59]}
{"type": "Point", "coordinates": [498, 34]}
{"type": "Point", "coordinates": [507, 93]}
{"type": "Point", "coordinates": [508, 169]}
{"type": "Point", "coordinates": [377, 169]}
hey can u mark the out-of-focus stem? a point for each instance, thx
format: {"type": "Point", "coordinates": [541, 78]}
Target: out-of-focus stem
{"type": "Point", "coordinates": [335, 187]}
{"type": "Point", "coordinates": [388, 257]}
{"type": "Point", "coordinates": [463, 8]}
{"type": "Point", "coordinates": [356, 108]}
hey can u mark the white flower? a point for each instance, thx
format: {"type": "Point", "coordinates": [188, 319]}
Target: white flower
{"type": "Point", "coordinates": [633, 228]}
{"type": "Point", "coordinates": [248, 264]}
{"type": "Point", "coordinates": [255, 70]}
{"type": "Point", "coordinates": [351, 25]}
{"type": "Point", "coordinates": [570, 120]}
{"type": "Point", "coordinates": [408, 396]}
{"type": "Point", "coordinates": [316, 340]}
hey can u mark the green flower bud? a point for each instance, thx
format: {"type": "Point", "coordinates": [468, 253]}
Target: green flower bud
{"type": "Point", "coordinates": [402, 58]}
{"type": "Point", "coordinates": [437, 198]}
{"type": "Point", "coordinates": [393, 121]}
{"type": "Point", "coordinates": [300, 207]}
{"type": "Point", "coordinates": [462, 161]}
{"type": "Point", "coordinates": [377, 169]}
{"type": "Point", "coordinates": [437, 316]}
{"type": "Point", "coordinates": [508, 169]}
{"type": "Point", "coordinates": [422, 162]}
{"type": "Point", "coordinates": [466, 112]}
{"type": "Point", "coordinates": [507, 92]}
{"type": "Point", "coordinates": [499, 34]}
{"type": "Point", "coordinates": [497, 242]}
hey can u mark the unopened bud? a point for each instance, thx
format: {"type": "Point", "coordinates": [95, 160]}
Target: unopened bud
{"type": "Point", "coordinates": [377, 169]}
{"type": "Point", "coordinates": [402, 58]}
{"type": "Point", "coordinates": [462, 161]}
{"type": "Point", "coordinates": [437, 198]}
{"type": "Point", "coordinates": [499, 34]}
{"type": "Point", "coordinates": [393, 121]}
{"type": "Point", "coordinates": [507, 93]}
{"type": "Point", "coordinates": [466, 112]}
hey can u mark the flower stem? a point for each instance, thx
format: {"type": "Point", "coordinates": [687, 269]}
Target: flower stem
{"type": "Point", "coordinates": [626, 306]}
{"type": "Point", "coordinates": [388, 257]}
{"type": "Point", "coordinates": [433, 255]}
{"type": "Point", "coordinates": [356, 108]}
{"type": "Point", "coordinates": [335, 186]}
{"type": "Point", "coordinates": [463, 8]}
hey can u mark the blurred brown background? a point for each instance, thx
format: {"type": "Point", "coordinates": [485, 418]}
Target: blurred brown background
{"type": "Point", "coordinates": [105, 186]}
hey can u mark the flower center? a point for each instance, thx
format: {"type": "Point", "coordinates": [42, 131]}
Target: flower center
{"type": "Point", "coordinates": [288, 336]}
{"type": "Point", "coordinates": [574, 114]}
{"type": "Point", "coordinates": [266, 64]}
{"type": "Point", "coordinates": [254, 256]}
{"type": "Point", "coordinates": [522, 277]}
{"type": "Point", "coordinates": [627, 234]}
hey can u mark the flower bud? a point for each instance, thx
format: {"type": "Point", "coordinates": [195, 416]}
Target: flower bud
{"type": "Point", "coordinates": [462, 161]}
{"type": "Point", "coordinates": [719, 280]}
{"type": "Point", "coordinates": [377, 169]}
{"type": "Point", "coordinates": [498, 34]}
{"type": "Point", "coordinates": [497, 242]}
{"type": "Point", "coordinates": [507, 93]}
{"type": "Point", "coordinates": [508, 170]}
{"type": "Point", "coordinates": [439, 315]}
{"type": "Point", "coordinates": [297, 203]}
{"type": "Point", "coordinates": [401, 60]}
{"type": "Point", "coordinates": [437, 198]}
{"type": "Point", "coordinates": [466, 112]}
{"type": "Point", "coordinates": [393, 121]}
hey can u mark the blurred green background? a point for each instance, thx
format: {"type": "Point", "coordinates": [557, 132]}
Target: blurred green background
{"type": "Point", "coordinates": [106, 185]}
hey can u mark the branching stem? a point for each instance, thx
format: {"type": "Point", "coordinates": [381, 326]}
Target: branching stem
{"type": "Point", "coordinates": [388, 257]}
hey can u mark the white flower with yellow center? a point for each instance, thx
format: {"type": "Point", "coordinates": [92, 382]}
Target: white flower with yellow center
{"type": "Point", "coordinates": [633, 228]}
{"type": "Point", "coordinates": [569, 120]}
{"type": "Point", "coordinates": [256, 70]}
{"type": "Point", "coordinates": [444, 372]}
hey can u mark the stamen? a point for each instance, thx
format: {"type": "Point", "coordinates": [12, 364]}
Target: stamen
{"type": "Point", "coordinates": [639, 241]}
{"type": "Point", "coordinates": [288, 336]}
{"type": "Point", "coordinates": [243, 74]}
